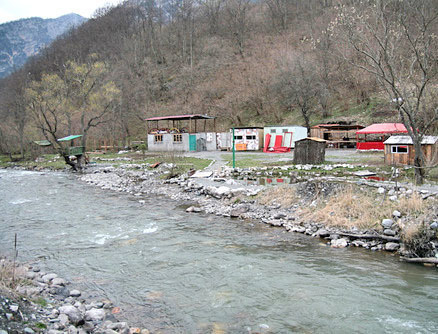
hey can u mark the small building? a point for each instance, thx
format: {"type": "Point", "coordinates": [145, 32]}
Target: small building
{"type": "Point", "coordinates": [337, 135]}
{"type": "Point", "coordinates": [309, 151]}
{"type": "Point", "coordinates": [373, 136]}
{"type": "Point", "coordinates": [248, 138]}
{"type": "Point", "coordinates": [282, 138]}
{"type": "Point", "coordinates": [181, 133]}
{"type": "Point", "coordinates": [399, 150]}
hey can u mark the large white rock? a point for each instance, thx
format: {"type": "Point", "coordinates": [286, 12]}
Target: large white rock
{"type": "Point", "coordinates": [95, 314]}
{"type": "Point", "coordinates": [339, 243]}
{"type": "Point", "coordinates": [74, 315]}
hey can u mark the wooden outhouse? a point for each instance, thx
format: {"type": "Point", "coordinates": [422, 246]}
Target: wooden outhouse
{"type": "Point", "coordinates": [399, 150]}
{"type": "Point", "coordinates": [309, 151]}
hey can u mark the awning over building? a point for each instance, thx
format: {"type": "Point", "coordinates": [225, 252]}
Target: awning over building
{"type": "Point", "coordinates": [42, 142]}
{"type": "Point", "coordinates": [71, 137]}
{"type": "Point", "coordinates": [383, 128]}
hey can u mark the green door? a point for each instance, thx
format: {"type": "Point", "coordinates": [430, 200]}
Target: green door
{"type": "Point", "coordinates": [192, 143]}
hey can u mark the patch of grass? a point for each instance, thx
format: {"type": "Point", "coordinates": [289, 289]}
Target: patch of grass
{"type": "Point", "coordinates": [40, 325]}
{"type": "Point", "coordinates": [285, 196]}
{"type": "Point", "coordinates": [40, 301]}
{"type": "Point", "coordinates": [245, 161]}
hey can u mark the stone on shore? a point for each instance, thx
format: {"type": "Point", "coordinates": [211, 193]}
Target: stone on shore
{"type": "Point", "coordinates": [74, 315]}
{"type": "Point", "coordinates": [392, 246]}
{"type": "Point", "coordinates": [387, 223]}
{"type": "Point", "coordinates": [339, 243]}
{"type": "Point", "coordinates": [95, 314]}
{"type": "Point", "coordinates": [75, 293]}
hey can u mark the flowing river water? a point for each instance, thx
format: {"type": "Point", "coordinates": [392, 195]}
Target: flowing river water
{"type": "Point", "coordinates": [175, 272]}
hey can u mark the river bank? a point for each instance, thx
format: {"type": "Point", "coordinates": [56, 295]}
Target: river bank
{"type": "Point", "coordinates": [33, 301]}
{"type": "Point", "coordinates": [409, 228]}
{"type": "Point", "coordinates": [205, 194]}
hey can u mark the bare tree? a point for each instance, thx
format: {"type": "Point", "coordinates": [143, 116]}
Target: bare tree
{"type": "Point", "coordinates": [397, 42]}
{"type": "Point", "coordinates": [238, 21]}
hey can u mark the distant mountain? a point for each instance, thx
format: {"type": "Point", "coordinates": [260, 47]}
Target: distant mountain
{"type": "Point", "coordinates": [26, 37]}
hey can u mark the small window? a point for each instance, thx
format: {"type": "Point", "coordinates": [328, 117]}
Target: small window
{"type": "Point", "coordinates": [273, 131]}
{"type": "Point", "coordinates": [285, 130]}
{"type": "Point", "coordinates": [399, 149]}
{"type": "Point", "coordinates": [250, 137]}
{"type": "Point", "coordinates": [158, 138]}
{"type": "Point", "coordinates": [177, 138]}
{"type": "Point", "coordinates": [238, 137]}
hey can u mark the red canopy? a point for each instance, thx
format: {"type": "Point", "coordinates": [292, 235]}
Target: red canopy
{"type": "Point", "coordinates": [383, 128]}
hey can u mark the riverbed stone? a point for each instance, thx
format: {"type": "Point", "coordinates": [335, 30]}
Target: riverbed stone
{"type": "Point", "coordinates": [387, 223]}
{"type": "Point", "coordinates": [392, 246]}
{"type": "Point", "coordinates": [49, 277]}
{"type": "Point", "coordinates": [74, 315]}
{"type": "Point", "coordinates": [75, 293]}
{"type": "Point", "coordinates": [95, 314]}
{"type": "Point", "coordinates": [322, 233]}
{"type": "Point", "coordinates": [339, 243]}
{"type": "Point", "coordinates": [381, 190]}
{"type": "Point", "coordinates": [389, 232]}
{"type": "Point", "coordinates": [58, 281]}
{"type": "Point", "coordinates": [358, 243]}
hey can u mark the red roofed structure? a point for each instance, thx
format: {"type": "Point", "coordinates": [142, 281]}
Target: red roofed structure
{"type": "Point", "coordinates": [381, 132]}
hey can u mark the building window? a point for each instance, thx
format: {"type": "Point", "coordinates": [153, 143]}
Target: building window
{"type": "Point", "coordinates": [399, 149]}
{"type": "Point", "coordinates": [177, 138]}
{"type": "Point", "coordinates": [251, 137]}
{"type": "Point", "coordinates": [238, 137]}
{"type": "Point", "coordinates": [273, 131]}
{"type": "Point", "coordinates": [285, 130]}
{"type": "Point", "coordinates": [158, 138]}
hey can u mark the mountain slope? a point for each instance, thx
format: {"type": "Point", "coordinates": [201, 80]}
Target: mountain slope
{"type": "Point", "coordinates": [24, 38]}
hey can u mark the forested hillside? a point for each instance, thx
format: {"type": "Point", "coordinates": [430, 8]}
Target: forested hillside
{"type": "Point", "coordinates": [247, 62]}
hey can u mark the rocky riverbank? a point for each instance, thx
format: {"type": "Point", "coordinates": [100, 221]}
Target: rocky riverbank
{"type": "Point", "coordinates": [219, 193]}
{"type": "Point", "coordinates": [33, 301]}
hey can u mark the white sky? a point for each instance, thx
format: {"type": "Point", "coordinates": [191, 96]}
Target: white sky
{"type": "Point", "coordinates": [11, 10]}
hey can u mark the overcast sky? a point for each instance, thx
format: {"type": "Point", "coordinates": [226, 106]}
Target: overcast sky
{"type": "Point", "coordinates": [11, 10]}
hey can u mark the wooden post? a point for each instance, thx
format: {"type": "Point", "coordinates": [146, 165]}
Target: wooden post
{"type": "Point", "coordinates": [190, 126]}
{"type": "Point", "coordinates": [196, 125]}
{"type": "Point", "coordinates": [205, 124]}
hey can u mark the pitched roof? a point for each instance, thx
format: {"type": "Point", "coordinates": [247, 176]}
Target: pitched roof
{"type": "Point", "coordinates": [384, 128]}
{"type": "Point", "coordinates": [407, 140]}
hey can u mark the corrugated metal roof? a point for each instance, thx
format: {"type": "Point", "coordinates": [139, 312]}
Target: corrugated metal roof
{"type": "Point", "coordinates": [42, 142]}
{"type": "Point", "coordinates": [71, 137]}
{"type": "Point", "coordinates": [407, 140]}
{"type": "Point", "coordinates": [180, 117]}
{"type": "Point", "coordinates": [314, 139]}
{"type": "Point", "coordinates": [384, 128]}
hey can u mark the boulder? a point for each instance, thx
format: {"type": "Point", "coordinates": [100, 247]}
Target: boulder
{"type": "Point", "coordinates": [322, 233]}
{"type": "Point", "coordinates": [237, 212]}
{"type": "Point", "coordinates": [389, 232]}
{"type": "Point", "coordinates": [95, 314]}
{"type": "Point", "coordinates": [387, 223]}
{"type": "Point", "coordinates": [48, 278]}
{"type": "Point", "coordinates": [396, 214]}
{"type": "Point", "coordinates": [74, 315]}
{"type": "Point", "coordinates": [339, 243]}
{"type": "Point", "coordinates": [59, 281]}
{"type": "Point", "coordinates": [392, 246]}
{"type": "Point", "coordinates": [75, 293]}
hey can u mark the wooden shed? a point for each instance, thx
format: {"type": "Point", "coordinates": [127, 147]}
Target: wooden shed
{"type": "Point", "coordinates": [337, 135]}
{"type": "Point", "coordinates": [399, 150]}
{"type": "Point", "coordinates": [309, 151]}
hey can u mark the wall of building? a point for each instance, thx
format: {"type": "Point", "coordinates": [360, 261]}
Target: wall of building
{"type": "Point", "coordinates": [168, 144]}
{"type": "Point", "coordinates": [298, 132]}
{"type": "Point", "coordinates": [252, 138]}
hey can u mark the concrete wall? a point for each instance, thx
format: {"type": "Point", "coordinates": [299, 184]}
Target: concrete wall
{"type": "Point", "coordinates": [205, 141]}
{"type": "Point", "coordinates": [298, 132]}
{"type": "Point", "coordinates": [168, 144]}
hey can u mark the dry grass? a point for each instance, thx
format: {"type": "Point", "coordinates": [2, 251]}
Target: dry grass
{"type": "Point", "coordinates": [285, 196]}
{"type": "Point", "coordinates": [353, 208]}
{"type": "Point", "coordinates": [10, 277]}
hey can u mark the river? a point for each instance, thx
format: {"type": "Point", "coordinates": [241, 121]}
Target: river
{"type": "Point", "coordinates": [186, 273]}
